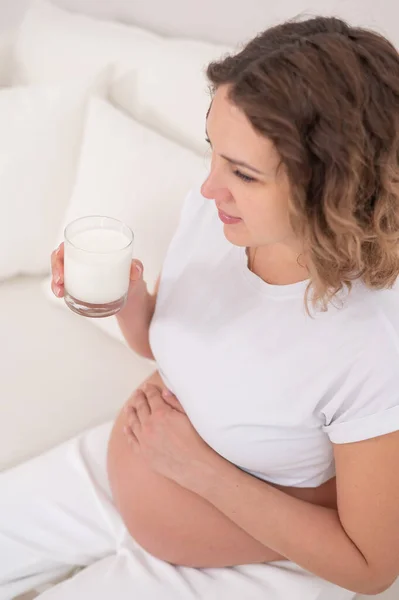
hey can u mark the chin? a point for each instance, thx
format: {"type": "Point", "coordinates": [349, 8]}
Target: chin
{"type": "Point", "coordinates": [233, 234]}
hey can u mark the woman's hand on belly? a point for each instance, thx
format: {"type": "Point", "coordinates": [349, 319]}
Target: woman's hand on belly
{"type": "Point", "coordinates": [176, 524]}
{"type": "Point", "coordinates": [165, 439]}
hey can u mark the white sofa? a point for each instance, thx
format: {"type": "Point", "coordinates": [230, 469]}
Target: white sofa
{"type": "Point", "coordinates": [59, 372]}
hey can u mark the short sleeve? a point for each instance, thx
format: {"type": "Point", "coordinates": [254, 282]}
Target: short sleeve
{"type": "Point", "coordinates": [366, 403]}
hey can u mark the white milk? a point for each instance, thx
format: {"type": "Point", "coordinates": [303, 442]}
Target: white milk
{"type": "Point", "coordinates": [97, 265]}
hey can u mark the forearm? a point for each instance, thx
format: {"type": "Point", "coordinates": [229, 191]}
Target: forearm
{"type": "Point", "coordinates": [231, 545]}
{"type": "Point", "coordinates": [240, 548]}
{"type": "Point", "coordinates": [134, 321]}
{"type": "Point", "coordinates": [309, 535]}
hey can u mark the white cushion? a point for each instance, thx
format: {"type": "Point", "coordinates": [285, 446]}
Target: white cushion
{"type": "Point", "coordinates": [59, 375]}
{"type": "Point", "coordinates": [158, 81]}
{"type": "Point", "coordinates": [56, 45]}
{"type": "Point", "coordinates": [41, 129]}
{"type": "Point", "coordinates": [130, 172]}
{"type": "Point", "coordinates": [169, 90]}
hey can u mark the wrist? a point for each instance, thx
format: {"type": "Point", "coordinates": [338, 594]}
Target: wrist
{"type": "Point", "coordinates": [134, 320]}
{"type": "Point", "coordinates": [208, 473]}
{"type": "Point", "coordinates": [137, 300]}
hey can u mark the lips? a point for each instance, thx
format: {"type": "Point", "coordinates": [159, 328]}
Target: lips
{"type": "Point", "coordinates": [228, 219]}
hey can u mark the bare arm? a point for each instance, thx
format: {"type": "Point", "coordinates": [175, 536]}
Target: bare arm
{"type": "Point", "coordinates": [135, 318]}
{"type": "Point", "coordinates": [355, 546]}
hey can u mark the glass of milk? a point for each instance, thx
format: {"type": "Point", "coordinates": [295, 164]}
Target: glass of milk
{"type": "Point", "coordinates": [97, 260]}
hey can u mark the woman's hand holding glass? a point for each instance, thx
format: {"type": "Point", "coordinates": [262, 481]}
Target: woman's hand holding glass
{"type": "Point", "coordinates": [57, 270]}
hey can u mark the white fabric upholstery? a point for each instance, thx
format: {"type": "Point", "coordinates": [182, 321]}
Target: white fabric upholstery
{"type": "Point", "coordinates": [58, 374]}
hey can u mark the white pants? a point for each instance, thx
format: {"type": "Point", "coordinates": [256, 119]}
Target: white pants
{"type": "Point", "coordinates": [56, 513]}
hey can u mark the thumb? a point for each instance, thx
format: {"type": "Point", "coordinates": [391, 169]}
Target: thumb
{"type": "Point", "coordinates": [136, 271]}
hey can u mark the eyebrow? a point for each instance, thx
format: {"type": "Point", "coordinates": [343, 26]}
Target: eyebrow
{"type": "Point", "coordinates": [236, 162]}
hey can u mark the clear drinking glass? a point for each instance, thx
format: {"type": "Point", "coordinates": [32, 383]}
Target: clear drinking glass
{"type": "Point", "coordinates": [97, 258]}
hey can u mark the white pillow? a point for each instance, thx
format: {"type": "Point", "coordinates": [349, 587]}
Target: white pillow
{"type": "Point", "coordinates": [159, 81]}
{"type": "Point", "coordinates": [130, 172]}
{"type": "Point", "coordinates": [169, 90]}
{"type": "Point", "coordinates": [56, 45]}
{"type": "Point", "coordinates": [41, 130]}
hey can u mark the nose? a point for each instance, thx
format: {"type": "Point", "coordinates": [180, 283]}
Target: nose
{"type": "Point", "coordinates": [206, 188]}
{"type": "Point", "coordinates": [214, 188]}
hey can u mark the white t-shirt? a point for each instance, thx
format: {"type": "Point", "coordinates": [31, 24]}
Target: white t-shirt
{"type": "Point", "coordinates": [265, 385]}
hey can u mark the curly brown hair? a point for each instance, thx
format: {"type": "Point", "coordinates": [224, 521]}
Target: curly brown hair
{"type": "Point", "coordinates": [327, 95]}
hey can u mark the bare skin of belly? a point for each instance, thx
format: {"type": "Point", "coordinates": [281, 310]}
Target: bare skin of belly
{"type": "Point", "coordinates": [178, 526]}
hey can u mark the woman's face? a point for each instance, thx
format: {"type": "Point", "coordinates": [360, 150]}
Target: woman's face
{"type": "Point", "coordinates": [244, 180]}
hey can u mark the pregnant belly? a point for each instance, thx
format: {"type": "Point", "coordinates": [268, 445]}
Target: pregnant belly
{"type": "Point", "coordinates": [175, 524]}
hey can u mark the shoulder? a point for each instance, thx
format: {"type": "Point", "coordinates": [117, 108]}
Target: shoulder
{"type": "Point", "coordinates": [375, 315]}
{"type": "Point", "coordinates": [370, 327]}
{"type": "Point", "coordinates": [365, 398]}
{"type": "Point", "coordinates": [367, 320]}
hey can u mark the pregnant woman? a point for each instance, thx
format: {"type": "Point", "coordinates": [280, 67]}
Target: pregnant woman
{"type": "Point", "coordinates": [259, 461]}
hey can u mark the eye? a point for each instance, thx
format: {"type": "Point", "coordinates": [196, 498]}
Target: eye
{"type": "Point", "coordinates": [208, 141]}
{"type": "Point", "coordinates": [244, 177]}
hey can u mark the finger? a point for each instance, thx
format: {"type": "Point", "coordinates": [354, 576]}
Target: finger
{"type": "Point", "coordinates": [136, 270]}
{"type": "Point", "coordinates": [57, 264]}
{"type": "Point", "coordinates": [172, 400]}
{"type": "Point", "coordinates": [58, 290]}
{"type": "Point", "coordinates": [129, 406]}
{"type": "Point", "coordinates": [57, 256]}
{"type": "Point", "coordinates": [131, 438]}
{"type": "Point", "coordinates": [141, 406]}
{"type": "Point", "coordinates": [131, 403]}
{"type": "Point", "coordinates": [154, 397]}
{"type": "Point", "coordinates": [60, 251]}
{"type": "Point", "coordinates": [134, 422]}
